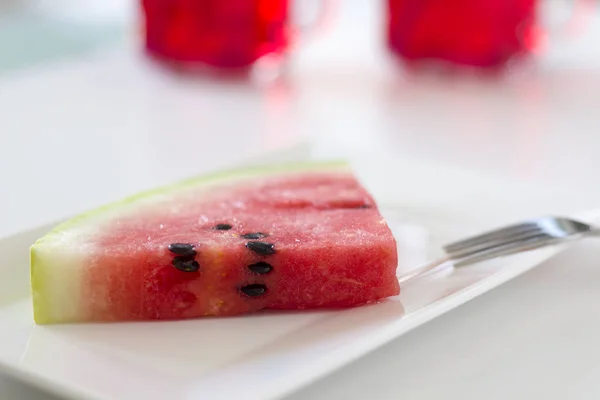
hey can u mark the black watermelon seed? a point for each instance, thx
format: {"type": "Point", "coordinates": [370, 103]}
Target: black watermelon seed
{"type": "Point", "coordinates": [223, 227]}
{"type": "Point", "coordinates": [364, 206]}
{"type": "Point", "coordinates": [182, 249]}
{"type": "Point", "coordinates": [254, 290]}
{"type": "Point", "coordinates": [262, 248]}
{"type": "Point", "coordinates": [260, 268]}
{"type": "Point", "coordinates": [186, 265]}
{"type": "Point", "coordinates": [254, 235]}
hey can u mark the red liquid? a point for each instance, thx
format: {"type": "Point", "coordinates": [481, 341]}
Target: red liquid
{"type": "Point", "coordinates": [482, 33]}
{"type": "Point", "coordinates": [219, 33]}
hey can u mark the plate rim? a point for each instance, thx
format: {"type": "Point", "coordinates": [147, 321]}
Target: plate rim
{"type": "Point", "coordinates": [340, 357]}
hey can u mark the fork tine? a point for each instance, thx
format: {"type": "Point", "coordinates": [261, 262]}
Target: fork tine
{"type": "Point", "coordinates": [507, 249]}
{"type": "Point", "coordinates": [517, 229]}
{"type": "Point", "coordinates": [499, 240]}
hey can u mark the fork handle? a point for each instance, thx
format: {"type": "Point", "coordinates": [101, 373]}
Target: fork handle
{"type": "Point", "coordinates": [437, 264]}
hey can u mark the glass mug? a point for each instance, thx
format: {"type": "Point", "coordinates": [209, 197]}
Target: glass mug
{"type": "Point", "coordinates": [222, 34]}
{"type": "Point", "coordinates": [474, 33]}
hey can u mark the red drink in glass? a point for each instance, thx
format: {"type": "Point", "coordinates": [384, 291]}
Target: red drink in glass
{"type": "Point", "coordinates": [218, 33]}
{"type": "Point", "coordinates": [480, 33]}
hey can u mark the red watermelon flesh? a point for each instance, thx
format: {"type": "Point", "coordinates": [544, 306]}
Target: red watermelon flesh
{"type": "Point", "coordinates": [307, 236]}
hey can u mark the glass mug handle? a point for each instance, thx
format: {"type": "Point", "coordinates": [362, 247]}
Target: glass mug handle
{"type": "Point", "coordinates": [271, 66]}
{"type": "Point", "coordinates": [574, 23]}
{"type": "Point", "coordinates": [326, 10]}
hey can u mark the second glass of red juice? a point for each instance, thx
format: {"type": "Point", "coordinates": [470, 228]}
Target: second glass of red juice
{"type": "Point", "coordinates": [480, 33]}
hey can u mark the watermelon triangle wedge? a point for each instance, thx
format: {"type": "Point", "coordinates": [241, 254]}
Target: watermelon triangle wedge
{"type": "Point", "coordinates": [287, 237]}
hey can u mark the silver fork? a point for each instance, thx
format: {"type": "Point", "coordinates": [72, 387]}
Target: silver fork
{"type": "Point", "coordinates": [516, 238]}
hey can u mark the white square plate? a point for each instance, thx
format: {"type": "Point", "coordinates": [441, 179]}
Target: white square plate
{"type": "Point", "coordinates": [271, 354]}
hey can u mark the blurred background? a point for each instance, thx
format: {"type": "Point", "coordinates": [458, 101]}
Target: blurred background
{"type": "Point", "coordinates": [35, 32]}
{"type": "Point", "coordinates": [81, 84]}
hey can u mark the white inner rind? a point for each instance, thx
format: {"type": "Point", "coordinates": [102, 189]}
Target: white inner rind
{"type": "Point", "coordinates": [58, 272]}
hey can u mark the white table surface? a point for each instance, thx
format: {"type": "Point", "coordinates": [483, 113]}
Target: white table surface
{"type": "Point", "coordinates": [534, 337]}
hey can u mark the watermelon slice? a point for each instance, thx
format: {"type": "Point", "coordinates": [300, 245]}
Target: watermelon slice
{"type": "Point", "coordinates": [284, 237]}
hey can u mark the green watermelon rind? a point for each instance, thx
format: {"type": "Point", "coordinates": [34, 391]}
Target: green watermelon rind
{"type": "Point", "coordinates": [39, 268]}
